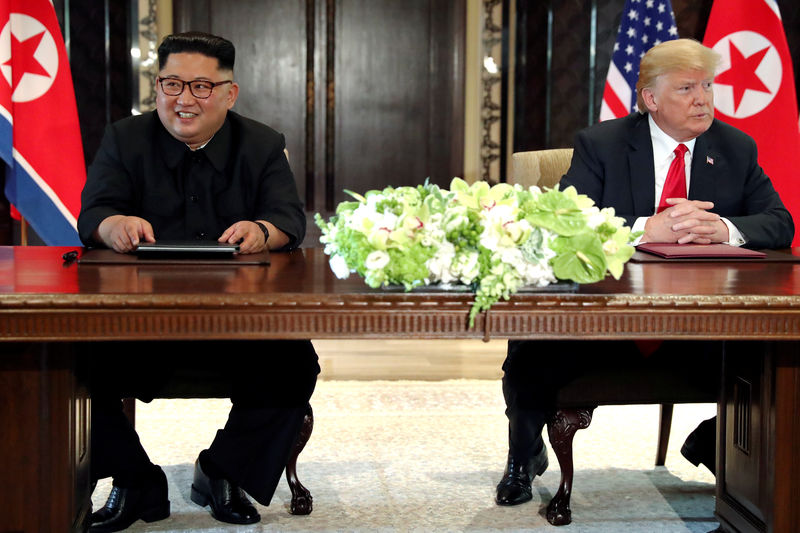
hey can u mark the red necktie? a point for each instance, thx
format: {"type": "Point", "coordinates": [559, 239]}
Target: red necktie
{"type": "Point", "coordinates": [674, 187]}
{"type": "Point", "coordinates": [675, 184]}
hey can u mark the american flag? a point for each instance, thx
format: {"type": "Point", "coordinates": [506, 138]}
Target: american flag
{"type": "Point", "coordinates": [644, 24]}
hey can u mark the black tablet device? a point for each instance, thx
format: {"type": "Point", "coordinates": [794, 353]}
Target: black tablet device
{"type": "Point", "coordinates": [186, 247]}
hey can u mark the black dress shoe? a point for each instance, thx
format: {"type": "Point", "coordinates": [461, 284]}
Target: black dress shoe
{"type": "Point", "coordinates": [515, 487]}
{"type": "Point", "coordinates": [228, 502]}
{"type": "Point", "coordinates": [701, 445]}
{"type": "Point", "coordinates": [126, 505]}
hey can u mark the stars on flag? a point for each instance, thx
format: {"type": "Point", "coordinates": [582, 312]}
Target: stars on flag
{"type": "Point", "coordinates": [643, 24]}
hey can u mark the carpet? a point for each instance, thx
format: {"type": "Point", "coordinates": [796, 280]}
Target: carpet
{"type": "Point", "coordinates": [426, 456]}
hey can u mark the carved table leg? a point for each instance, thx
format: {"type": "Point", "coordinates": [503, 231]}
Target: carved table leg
{"type": "Point", "coordinates": [561, 429]}
{"type": "Point", "coordinates": [301, 496]}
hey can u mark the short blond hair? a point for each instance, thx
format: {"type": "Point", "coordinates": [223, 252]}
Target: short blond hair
{"type": "Point", "coordinates": [670, 56]}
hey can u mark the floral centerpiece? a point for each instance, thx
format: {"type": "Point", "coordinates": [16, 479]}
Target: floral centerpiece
{"type": "Point", "coordinates": [494, 239]}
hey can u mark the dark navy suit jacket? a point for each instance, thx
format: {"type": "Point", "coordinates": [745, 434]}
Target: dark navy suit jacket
{"type": "Point", "coordinates": [613, 164]}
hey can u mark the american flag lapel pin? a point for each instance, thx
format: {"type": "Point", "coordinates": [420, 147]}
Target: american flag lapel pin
{"type": "Point", "coordinates": [709, 160]}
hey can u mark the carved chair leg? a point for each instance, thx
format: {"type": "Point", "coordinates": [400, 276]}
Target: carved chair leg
{"type": "Point", "coordinates": [561, 429]}
{"type": "Point", "coordinates": [664, 426]}
{"type": "Point", "coordinates": [129, 408]}
{"type": "Point", "coordinates": [301, 496]}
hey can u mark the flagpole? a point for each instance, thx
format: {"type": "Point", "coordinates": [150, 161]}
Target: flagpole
{"type": "Point", "coordinates": [23, 232]}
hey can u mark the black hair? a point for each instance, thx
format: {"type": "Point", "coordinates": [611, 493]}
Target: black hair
{"type": "Point", "coordinates": [196, 41]}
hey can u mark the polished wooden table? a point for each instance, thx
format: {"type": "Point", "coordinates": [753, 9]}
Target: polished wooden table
{"type": "Point", "coordinates": [46, 304]}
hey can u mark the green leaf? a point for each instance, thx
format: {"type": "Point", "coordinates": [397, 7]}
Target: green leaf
{"type": "Point", "coordinates": [346, 207]}
{"type": "Point", "coordinates": [579, 258]}
{"type": "Point", "coordinates": [355, 195]}
{"type": "Point", "coordinates": [557, 212]}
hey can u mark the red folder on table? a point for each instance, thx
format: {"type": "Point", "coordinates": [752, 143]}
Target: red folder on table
{"type": "Point", "coordinates": [682, 251]}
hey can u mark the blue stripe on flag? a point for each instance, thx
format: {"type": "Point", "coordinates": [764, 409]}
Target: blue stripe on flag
{"type": "Point", "coordinates": [39, 211]}
{"type": "Point", "coordinates": [6, 141]}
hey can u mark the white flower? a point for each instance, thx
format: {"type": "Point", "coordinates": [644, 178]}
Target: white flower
{"type": "Point", "coordinates": [439, 264]}
{"type": "Point", "coordinates": [594, 217]}
{"type": "Point", "coordinates": [339, 267]}
{"type": "Point", "coordinates": [376, 260]}
{"type": "Point", "coordinates": [468, 267]}
{"type": "Point", "coordinates": [365, 218]}
{"type": "Point", "coordinates": [456, 222]}
{"type": "Point", "coordinates": [610, 247]}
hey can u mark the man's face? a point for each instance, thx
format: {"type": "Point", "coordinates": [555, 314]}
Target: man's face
{"type": "Point", "coordinates": [190, 119]}
{"type": "Point", "coordinates": [682, 103]}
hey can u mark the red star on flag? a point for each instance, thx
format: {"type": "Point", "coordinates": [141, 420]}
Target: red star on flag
{"type": "Point", "coordinates": [22, 58]}
{"type": "Point", "coordinates": [742, 73]}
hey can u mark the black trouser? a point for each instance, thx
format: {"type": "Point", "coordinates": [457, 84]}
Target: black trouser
{"type": "Point", "coordinates": [269, 383]}
{"type": "Point", "coordinates": [535, 371]}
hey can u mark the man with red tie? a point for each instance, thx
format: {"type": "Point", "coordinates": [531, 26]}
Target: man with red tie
{"type": "Point", "coordinates": [676, 174]}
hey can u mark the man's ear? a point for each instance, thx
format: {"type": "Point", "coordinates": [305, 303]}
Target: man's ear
{"type": "Point", "coordinates": [233, 94]}
{"type": "Point", "coordinates": [649, 99]}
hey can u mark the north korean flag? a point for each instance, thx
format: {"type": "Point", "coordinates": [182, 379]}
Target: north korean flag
{"type": "Point", "coordinates": [754, 88]}
{"type": "Point", "coordinates": [40, 139]}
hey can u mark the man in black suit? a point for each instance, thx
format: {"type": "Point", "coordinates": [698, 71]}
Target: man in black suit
{"type": "Point", "coordinates": [193, 169]}
{"type": "Point", "coordinates": [643, 165]}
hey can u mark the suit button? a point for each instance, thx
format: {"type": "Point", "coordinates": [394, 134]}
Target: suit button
{"type": "Point", "coordinates": [202, 235]}
{"type": "Point", "coordinates": [193, 198]}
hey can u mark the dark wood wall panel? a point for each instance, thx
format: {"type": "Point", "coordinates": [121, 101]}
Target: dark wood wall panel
{"type": "Point", "coordinates": [446, 103]}
{"type": "Point", "coordinates": [569, 79]}
{"type": "Point", "coordinates": [530, 84]}
{"type": "Point", "coordinates": [570, 70]}
{"type": "Point", "coordinates": [385, 86]}
{"type": "Point", "coordinates": [102, 84]}
{"type": "Point", "coordinates": [790, 12]}
{"type": "Point", "coordinates": [381, 117]}
{"type": "Point", "coordinates": [397, 96]}
{"type": "Point", "coordinates": [270, 67]}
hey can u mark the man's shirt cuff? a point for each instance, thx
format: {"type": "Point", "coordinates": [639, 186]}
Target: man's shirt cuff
{"type": "Point", "coordinates": [638, 225]}
{"type": "Point", "coordinates": [735, 237]}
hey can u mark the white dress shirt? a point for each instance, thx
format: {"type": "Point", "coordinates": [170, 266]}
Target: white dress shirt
{"type": "Point", "coordinates": [663, 154]}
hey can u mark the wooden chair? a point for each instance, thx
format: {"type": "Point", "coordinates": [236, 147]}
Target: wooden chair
{"type": "Point", "coordinates": [189, 383]}
{"type": "Point", "coordinates": [540, 167]}
{"type": "Point", "coordinates": [576, 401]}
